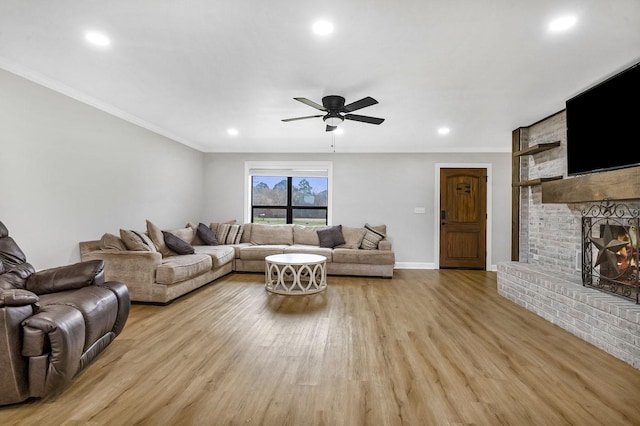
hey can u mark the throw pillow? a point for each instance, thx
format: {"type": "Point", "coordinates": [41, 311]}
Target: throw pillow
{"type": "Point", "coordinates": [228, 234]}
{"type": "Point", "coordinates": [271, 234]}
{"type": "Point", "coordinates": [133, 241]}
{"type": "Point", "coordinates": [112, 242]}
{"type": "Point", "coordinates": [372, 237]}
{"type": "Point", "coordinates": [185, 234]}
{"type": "Point", "coordinates": [147, 240]}
{"type": "Point", "coordinates": [352, 237]}
{"type": "Point", "coordinates": [307, 235]}
{"type": "Point", "coordinates": [158, 239]}
{"type": "Point", "coordinates": [176, 244]}
{"type": "Point", "coordinates": [331, 236]}
{"type": "Point", "coordinates": [206, 235]}
{"type": "Point", "coordinates": [214, 225]}
{"type": "Point", "coordinates": [196, 241]}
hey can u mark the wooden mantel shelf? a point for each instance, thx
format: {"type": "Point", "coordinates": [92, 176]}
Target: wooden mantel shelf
{"type": "Point", "coordinates": [534, 149]}
{"type": "Point", "coordinates": [538, 181]}
{"type": "Point", "coordinates": [623, 184]}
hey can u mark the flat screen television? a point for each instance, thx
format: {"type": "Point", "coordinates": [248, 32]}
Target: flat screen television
{"type": "Point", "coordinates": [603, 125]}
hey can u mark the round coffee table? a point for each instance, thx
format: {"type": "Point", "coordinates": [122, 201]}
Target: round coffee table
{"type": "Point", "coordinates": [295, 273]}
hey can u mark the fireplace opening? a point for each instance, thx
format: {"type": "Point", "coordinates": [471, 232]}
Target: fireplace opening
{"type": "Point", "coordinates": [610, 255]}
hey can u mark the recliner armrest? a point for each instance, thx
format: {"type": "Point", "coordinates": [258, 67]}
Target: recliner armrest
{"type": "Point", "coordinates": [57, 332]}
{"type": "Point", "coordinates": [17, 297]}
{"type": "Point", "coordinates": [68, 277]}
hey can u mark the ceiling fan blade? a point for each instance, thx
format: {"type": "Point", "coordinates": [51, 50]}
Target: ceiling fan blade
{"type": "Point", "coordinates": [311, 103]}
{"type": "Point", "coordinates": [364, 118]}
{"type": "Point", "coordinates": [331, 128]}
{"type": "Point", "coordinates": [302, 118]}
{"type": "Point", "coordinates": [362, 103]}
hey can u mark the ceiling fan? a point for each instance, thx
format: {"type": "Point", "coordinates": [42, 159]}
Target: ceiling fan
{"type": "Point", "coordinates": [337, 111]}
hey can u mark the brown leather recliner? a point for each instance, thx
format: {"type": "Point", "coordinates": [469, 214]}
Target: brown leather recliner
{"type": "Point", "coordinates": [53, 322]}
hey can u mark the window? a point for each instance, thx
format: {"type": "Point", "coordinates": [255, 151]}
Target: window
{"type": "Point", "coordinates": [295, 194]}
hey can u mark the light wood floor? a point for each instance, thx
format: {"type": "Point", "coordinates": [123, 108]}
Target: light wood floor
{"type": "Point", "coordinates": [424, 348]}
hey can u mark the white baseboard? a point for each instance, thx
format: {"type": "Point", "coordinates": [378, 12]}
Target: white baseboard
{"type": "Point", "coordinates": [414, 265]}
{"type": "Point", "coordinates": [420, 265]}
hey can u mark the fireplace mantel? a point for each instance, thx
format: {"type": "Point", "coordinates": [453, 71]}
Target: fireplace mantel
{"type": "Point", "coordinates": [623, 184]}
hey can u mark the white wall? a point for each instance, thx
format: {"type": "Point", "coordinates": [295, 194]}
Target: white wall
{"type": "Point", "coordinates": [69, 172]}
{"type": "Point", "coordinates": [373, 188]}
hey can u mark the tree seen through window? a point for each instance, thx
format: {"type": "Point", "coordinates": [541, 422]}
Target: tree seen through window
{"type": "Point", "coordinates": [287, 199]}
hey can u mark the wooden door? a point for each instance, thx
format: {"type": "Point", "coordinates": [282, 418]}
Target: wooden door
{"type": "Point", "coordinates": [463, 218]}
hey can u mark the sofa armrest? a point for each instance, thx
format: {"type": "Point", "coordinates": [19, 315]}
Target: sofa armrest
{"type": "Point", "coordinates": [68, 277]}
{"type": "Point", "coordinates": [384, 245]}
{"type": "Point", "coordinates": [136, 269]}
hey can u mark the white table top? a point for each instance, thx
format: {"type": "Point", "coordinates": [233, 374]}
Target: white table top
{"type": "Point", "coordinates": [295, 258]}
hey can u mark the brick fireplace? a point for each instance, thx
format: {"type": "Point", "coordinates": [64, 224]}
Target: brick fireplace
{"type": "Point", "coordinates": [547, 277]}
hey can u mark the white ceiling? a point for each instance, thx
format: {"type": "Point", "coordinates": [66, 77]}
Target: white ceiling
{"type": "Point", "coordinates": [190, 69]}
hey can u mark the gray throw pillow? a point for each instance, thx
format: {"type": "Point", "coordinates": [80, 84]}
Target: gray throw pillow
{"type": "Point", "coordinates": [206, 235]}
{"type": "Point", "coordinates": [331, 236]}
{"type": "Point", "coordinates": [176, 244]}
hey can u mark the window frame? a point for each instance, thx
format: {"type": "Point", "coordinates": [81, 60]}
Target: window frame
{"type": "Point", "coordinates": [289, 169]}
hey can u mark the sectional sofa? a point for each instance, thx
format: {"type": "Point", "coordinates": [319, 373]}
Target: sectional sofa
{"type": "Point", "coordinates": [159, 266]}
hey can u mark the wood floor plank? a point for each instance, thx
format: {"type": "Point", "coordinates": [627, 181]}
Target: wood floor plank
{"type": "Point", "coordinates": [428, 347]}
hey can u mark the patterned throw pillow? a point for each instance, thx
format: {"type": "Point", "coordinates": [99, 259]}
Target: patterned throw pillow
{"type": "Point", "coordinates": [228, 233]}
{"type": "Point", "coordinates": [371, 238]}
{"type": "Point", "coordinates": [176, 244]}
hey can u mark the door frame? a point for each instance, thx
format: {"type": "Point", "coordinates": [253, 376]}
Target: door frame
{"type": "Point", "coordinates": [436, 251]}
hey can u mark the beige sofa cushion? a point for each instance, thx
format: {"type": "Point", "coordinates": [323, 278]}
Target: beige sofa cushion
{"type": "Point", "coordinates": [306, 235]}
{"type": "Point", "coordinates": [246, 233]}
{"type": "Point", "coordinates": [352, 237]}
{"type": "Point", "coordinates": [371, 257]}
{"type": "Point", "coordinates": [185, 234]}
{"type": "Point", "coordinates": [271, 234]}
{"type": "Point", "coordinates": [307, 249]}
{"type": "Point", "coordinates": [175, 269]}
{"type": "Point", "coordinates": [112, 242]}
{"type": "Point", "coordinates": [220, 255]}
{"type": "Point", "coordinates": [260, 252]}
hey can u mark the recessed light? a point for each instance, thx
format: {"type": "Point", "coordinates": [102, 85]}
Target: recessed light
{"type": "Point", "coordinates": [322, 27]}
{"type": "Point", "coordinates": [562, 24]}
{"type": "Point", "coordinates": [443, 131]}
{"type": "Point", "coordinates": [232, 132]}
{"type": "Point", "coordinates": [98, 39]}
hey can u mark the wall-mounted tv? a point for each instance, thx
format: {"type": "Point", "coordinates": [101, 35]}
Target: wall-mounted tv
{"type": "Point", "coordinates": [603, 125]}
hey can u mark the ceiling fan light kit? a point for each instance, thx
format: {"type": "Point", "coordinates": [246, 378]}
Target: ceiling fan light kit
{"type": "Point", "coordinates": [337, 111]}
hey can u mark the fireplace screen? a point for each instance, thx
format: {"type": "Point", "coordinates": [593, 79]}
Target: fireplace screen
{"type": "Point", "coordinates": [610, 249]}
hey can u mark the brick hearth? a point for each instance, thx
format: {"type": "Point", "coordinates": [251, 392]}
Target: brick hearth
{"type": "Point", "coordinates": [606, 321]}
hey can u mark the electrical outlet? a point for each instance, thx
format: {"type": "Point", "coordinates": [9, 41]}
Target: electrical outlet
{"type": "Point", "coordinates": [419, 210]}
